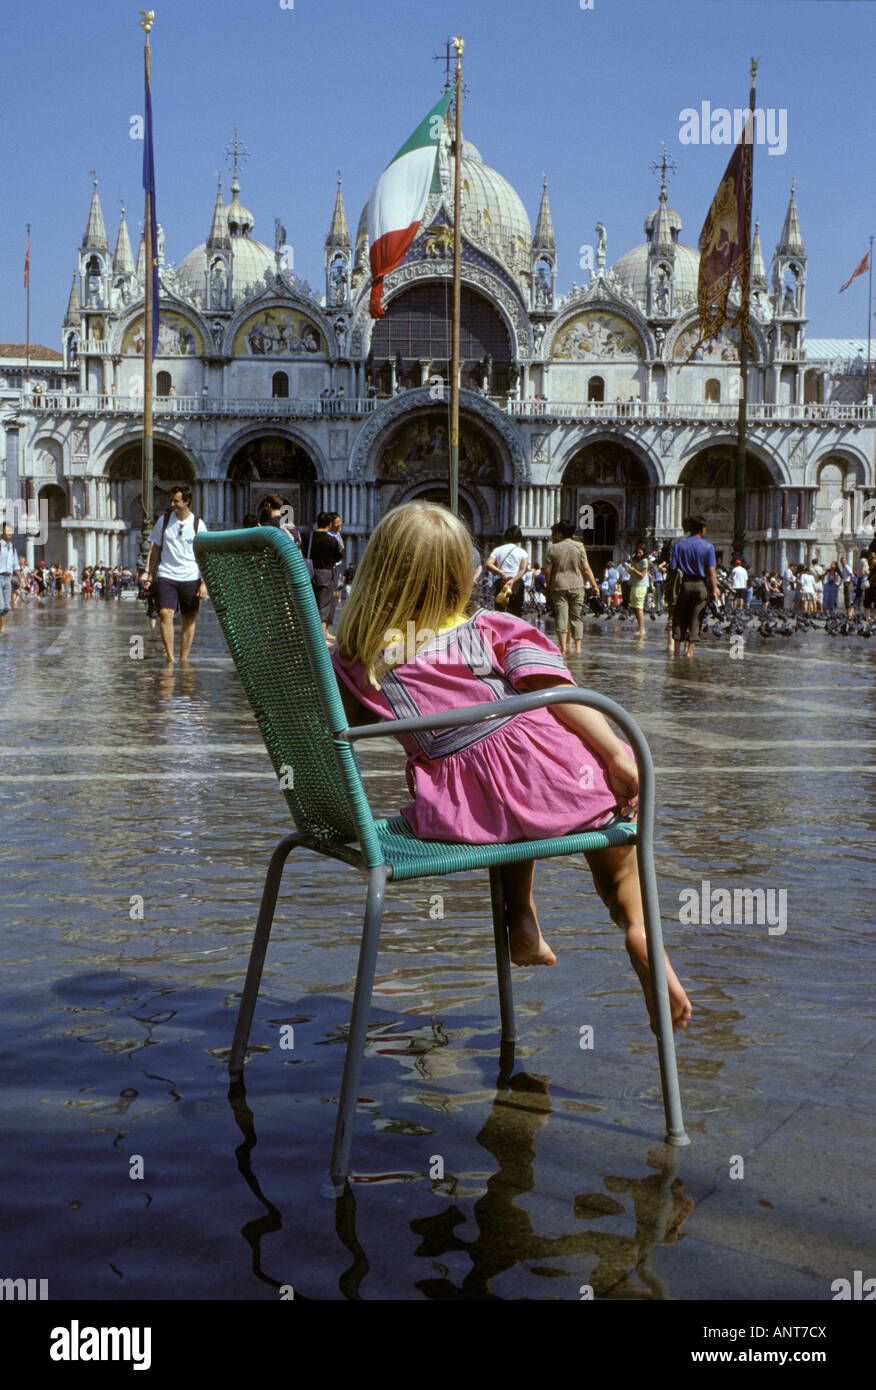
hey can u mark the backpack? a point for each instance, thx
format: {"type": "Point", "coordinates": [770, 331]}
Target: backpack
{"type": "Point", "coordinates": [167, 515]}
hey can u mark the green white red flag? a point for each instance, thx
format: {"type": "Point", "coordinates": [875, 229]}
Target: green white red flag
{"type": "Point", "coordinates": [396, 206]}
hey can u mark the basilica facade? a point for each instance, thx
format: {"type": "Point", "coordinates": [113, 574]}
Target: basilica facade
{"type": "Point", "coordinates": [590, 404]}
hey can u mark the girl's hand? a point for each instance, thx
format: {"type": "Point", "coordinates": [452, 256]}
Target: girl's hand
{"type": "Point", "coordinates": [623, 779]}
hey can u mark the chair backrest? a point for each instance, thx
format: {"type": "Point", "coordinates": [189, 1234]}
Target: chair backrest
{"type": "Point", "coordinates": [264, 600]}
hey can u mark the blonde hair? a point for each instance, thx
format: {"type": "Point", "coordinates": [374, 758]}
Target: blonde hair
{"type": "Point", "coordinates": [417, 567]}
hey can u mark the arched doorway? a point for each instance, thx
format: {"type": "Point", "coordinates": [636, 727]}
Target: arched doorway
{"type": "Point", "coordinates": [416, 329]}
{"type": "Point", "coordinates": [272, 464]}
{"type": "Point", "coordinates": [170, 468]}
{"type": "Point", "coordinates": [829, 505]}
{"type": "Point", "coordinates": [441, 495]}
{"type": "Point", "coordinates": [596, 389]}
{"type": "Point", "coordinates": [708, 480]}
{"type": "Point", "coordinates": [53, 499]}
{"type": "Point", "coordinates": [611, 480]}
{"type": "Point", "coordinates": [416, 452]}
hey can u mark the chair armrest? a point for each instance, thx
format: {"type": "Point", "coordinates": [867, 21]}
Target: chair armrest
{"type": "Point", "coordinates": [519, 704]}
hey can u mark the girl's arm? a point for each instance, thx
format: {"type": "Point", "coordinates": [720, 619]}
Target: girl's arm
{"type": "Point", "coordinates": [594, 729]}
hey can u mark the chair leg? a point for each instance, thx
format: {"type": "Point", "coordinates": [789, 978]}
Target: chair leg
{"type": "Point", "coordinates": [340, 1161]}
{"type": "Point", "coordinates": [675, 1133]}
{"type": "Point", "coordinates": [503, 955]}
{"type": "Point", "coordinates": [257, 954]}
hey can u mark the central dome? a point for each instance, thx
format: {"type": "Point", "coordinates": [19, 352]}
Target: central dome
{"type": "Point", "coordinates": [493, 214]}
{"type": "Point", "coordinates": [491, 208]}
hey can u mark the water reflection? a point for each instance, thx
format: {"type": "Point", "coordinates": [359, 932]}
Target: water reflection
{"type": "Point", "coordinates": [506, 1233]}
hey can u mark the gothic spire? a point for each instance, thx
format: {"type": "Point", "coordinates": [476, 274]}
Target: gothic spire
{"type": "Point", "coordinates": [758, 268]}
{"type": "Point", "coordinates": [71, 318]}
{"type": "Point", "coordinates": [123, 261]}
{"type": "Point", "coordinates": [339, 232]}
{"type": "Point", "coordinates": [544, 239]}
{"type": "Point", "coordinates": [219, 240]}
{"type": "Point", "coordinates": [791, 243]}
{"type": "Point", "coordinates": [661, 235]}
{"type": "Point", "coordinates": [95, 232]}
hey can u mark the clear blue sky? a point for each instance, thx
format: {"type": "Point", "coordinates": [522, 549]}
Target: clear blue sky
{"type": "Point", "coordinates": [584, 95]}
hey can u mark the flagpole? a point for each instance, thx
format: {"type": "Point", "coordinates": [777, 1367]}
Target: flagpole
{"type": "Point", "coordinates": [27, 287]}
{"type": "Point", "coordinates": [739, 516]}
{"type": "Point", "coordinates": [457, 287]}
{"type": "Point", "coordinates": [869, 323]}
{"type": "Point", "coordinates": [147, 472]}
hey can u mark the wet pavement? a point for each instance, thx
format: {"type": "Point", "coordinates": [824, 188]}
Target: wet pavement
{"type": "Point", "coordinates": [139, 812]}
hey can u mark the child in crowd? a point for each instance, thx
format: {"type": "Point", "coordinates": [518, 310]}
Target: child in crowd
{"type": "Point", "coordinates": [408, 643]}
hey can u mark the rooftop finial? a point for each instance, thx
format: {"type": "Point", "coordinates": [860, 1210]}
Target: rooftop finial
{"type": "Point", "coordinates": [236, 151]}
{"type": "Point", "coordinates": [665, 167]}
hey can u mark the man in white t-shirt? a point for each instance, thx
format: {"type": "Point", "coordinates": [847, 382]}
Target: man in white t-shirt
{"type": "Point", "coordinates": [173, 571]}
{"type": "Point", "coordinates": [739, 583]}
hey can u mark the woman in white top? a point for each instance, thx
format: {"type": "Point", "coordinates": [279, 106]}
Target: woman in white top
{"type": "Point", "coordinates": [509, 562]}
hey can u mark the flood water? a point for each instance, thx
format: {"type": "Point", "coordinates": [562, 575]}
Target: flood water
{"type": "Point", "coordinates": [139, 812]}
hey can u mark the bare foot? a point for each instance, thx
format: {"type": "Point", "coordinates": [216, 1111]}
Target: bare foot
{"type": "Point", "coordinates": [679, 1004]}
{"type": "Point", "coordinates": [528, 946]}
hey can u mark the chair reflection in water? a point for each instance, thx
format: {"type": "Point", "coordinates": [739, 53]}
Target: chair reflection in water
{"type": "Point", "coordinates": [263, 598]}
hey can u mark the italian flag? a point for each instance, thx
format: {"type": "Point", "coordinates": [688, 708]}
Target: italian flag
{"type": "Point", "coordinates": [396, 206]}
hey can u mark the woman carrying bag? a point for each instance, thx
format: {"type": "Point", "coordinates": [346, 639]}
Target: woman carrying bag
{"type": "Point", "coordinates": [509, 562]}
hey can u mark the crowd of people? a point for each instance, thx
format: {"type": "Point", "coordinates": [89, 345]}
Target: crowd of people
{"type": "Point", "coordinates": [639, 585]}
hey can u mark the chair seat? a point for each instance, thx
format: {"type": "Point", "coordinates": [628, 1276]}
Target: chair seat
{"type": "Point", "coordinates": [409, 857]}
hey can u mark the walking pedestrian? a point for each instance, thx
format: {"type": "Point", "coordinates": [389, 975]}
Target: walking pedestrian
{"type": "Point", "coordinates": [509, 562]}
{"type": "Point", "coordinates": [639, 568]}
{"type": "Point", "coordinates": [566, 571]}
{"type": "Point", "coordinates": [9, 564]}
{"type": "Point", "coordinates": [324, 551]}
{"type": "Point", "coordinates": [694, 556]}
{"type": "Point", "coordinates": [173, 570]}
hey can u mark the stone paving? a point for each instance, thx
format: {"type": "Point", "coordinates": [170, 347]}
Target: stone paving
{"type": "Point", "coordinates": [122, 781]}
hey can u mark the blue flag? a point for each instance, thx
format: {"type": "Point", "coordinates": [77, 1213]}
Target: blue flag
{"type": "Point", "coordinates": [149, 189]}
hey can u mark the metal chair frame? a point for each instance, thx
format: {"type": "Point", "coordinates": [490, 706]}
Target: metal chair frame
{"type": "Point", "coordinates": [274, 551]}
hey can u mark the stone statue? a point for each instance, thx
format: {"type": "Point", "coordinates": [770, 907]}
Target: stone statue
{"type": "Point", "coordinates": [538, 335]}
{"type": "Point", "coordinates": [159, 238]}
{"type": "Point", "coordinates": [601, 242]}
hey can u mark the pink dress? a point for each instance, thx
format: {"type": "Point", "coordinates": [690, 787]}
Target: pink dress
{"type": "Point", "coordinates": [524, 777]}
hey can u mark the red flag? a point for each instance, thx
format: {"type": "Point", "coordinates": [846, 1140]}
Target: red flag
{"type": "Point", "coordinates": [865, 265]}
{"type": "Point", "coordinates": [27, 264]}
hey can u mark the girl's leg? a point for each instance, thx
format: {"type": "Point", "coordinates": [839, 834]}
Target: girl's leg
{"type": "Point", "coordinates": [528, 946]}
{"type": "Point", "coordinates": [616, 877]}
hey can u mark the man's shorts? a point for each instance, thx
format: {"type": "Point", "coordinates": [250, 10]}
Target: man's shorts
{"type": "Point", "coordinates": [178, 593]}
{"type": "Point", "coordinates": [740, 593]}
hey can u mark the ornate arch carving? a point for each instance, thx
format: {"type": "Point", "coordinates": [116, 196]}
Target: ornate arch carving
{"type": "Point", "coordinates": [494, 422]}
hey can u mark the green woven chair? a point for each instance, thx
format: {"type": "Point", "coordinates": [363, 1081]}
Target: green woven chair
{"type": "Point", "coordinates": [263, 598]}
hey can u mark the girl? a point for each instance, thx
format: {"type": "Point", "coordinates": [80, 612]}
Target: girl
{"type": "Point", "coordinates": [409, 643]}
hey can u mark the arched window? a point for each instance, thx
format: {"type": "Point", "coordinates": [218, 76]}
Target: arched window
{"type": "Point", "coordinates": [713, 390]}
{"type": "Point", "coordinates": [596, 389]}
{"type": "Point", "coordinates": [163, 384]}
{"type": "Point", "coordinates": [280, 385]}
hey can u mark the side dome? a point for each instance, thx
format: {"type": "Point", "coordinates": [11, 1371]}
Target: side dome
{"type": "Point", "coordinates": [631, 273]}
{"type": "Point", "coordinates": [251, 260]}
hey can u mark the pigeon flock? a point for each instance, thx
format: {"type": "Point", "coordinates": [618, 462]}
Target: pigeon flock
{"type": "Point", "coordinates": [762, 622]}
